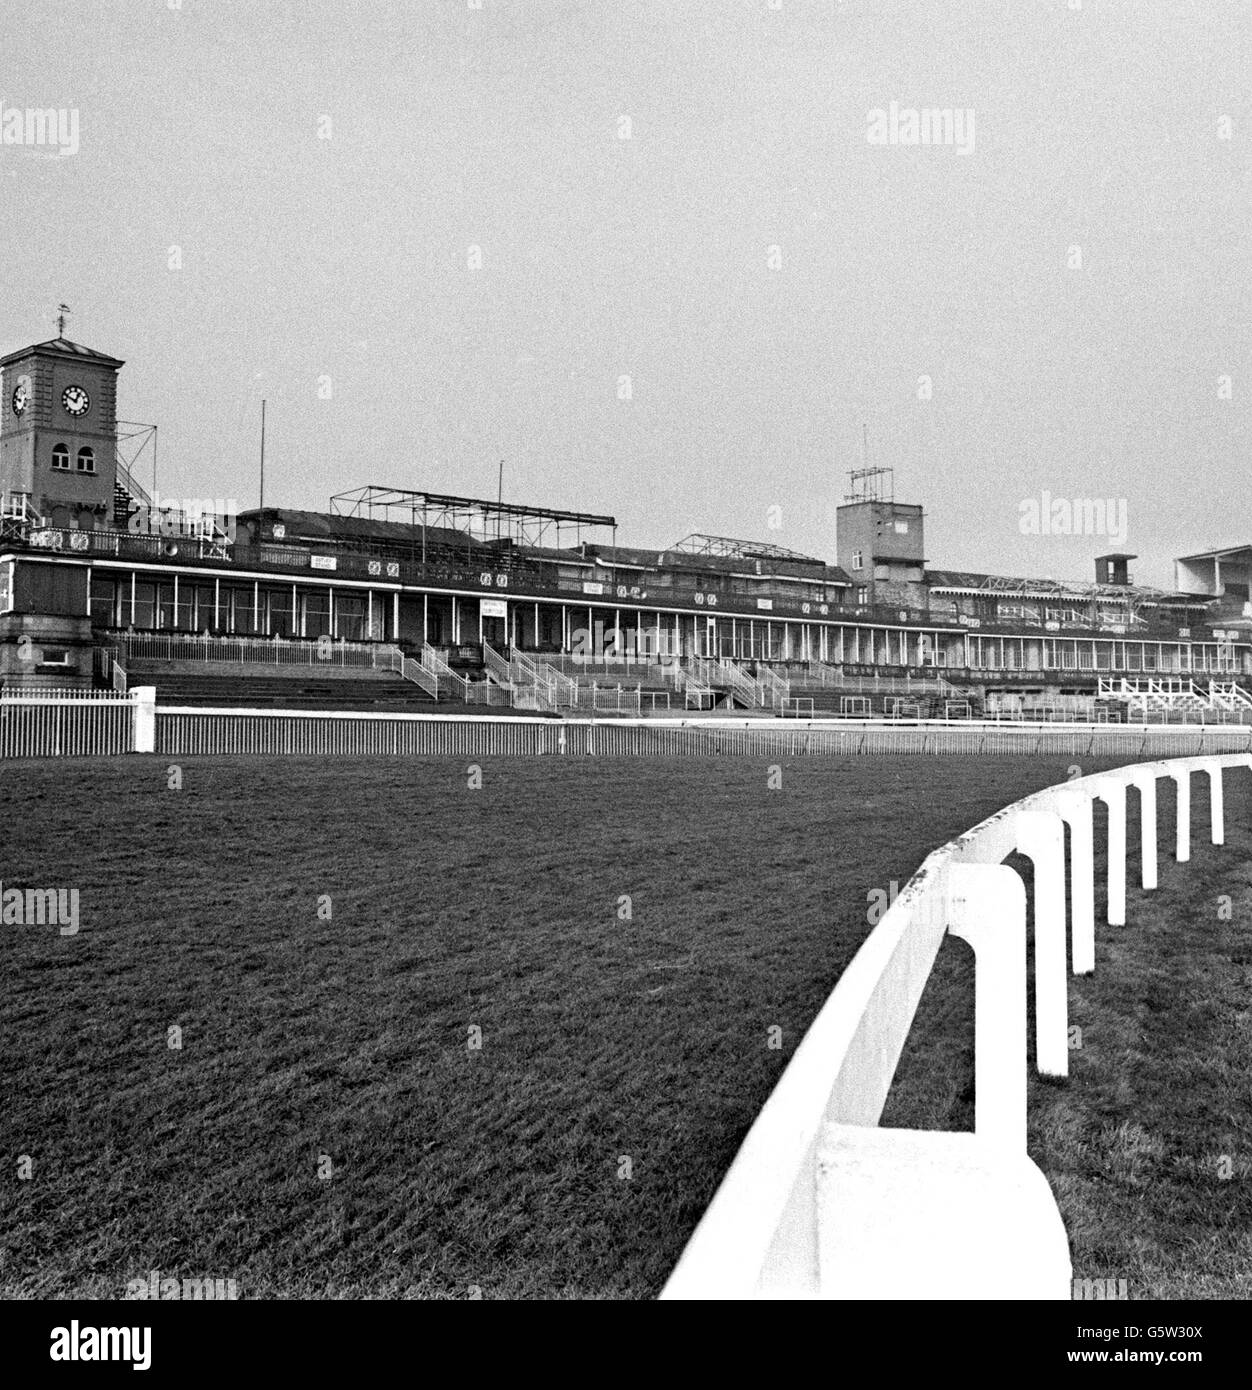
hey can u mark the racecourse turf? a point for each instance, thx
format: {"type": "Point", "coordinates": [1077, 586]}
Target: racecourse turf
{"type": "Point", "coordinates": [360, 1028]}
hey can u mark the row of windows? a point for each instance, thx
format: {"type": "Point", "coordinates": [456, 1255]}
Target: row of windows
{"type": "Point", "coordinates": [235, 608]}
{"type": "Point", "coordinates": [61, 459]}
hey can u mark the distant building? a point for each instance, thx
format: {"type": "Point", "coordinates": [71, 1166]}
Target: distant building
{"type": "Point", "coordinates": [85, 554]}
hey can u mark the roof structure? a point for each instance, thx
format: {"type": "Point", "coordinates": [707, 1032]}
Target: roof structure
{"type": "Point", "coordinates": [1221, 553]}
{"type": "Point", "coordinates": [475, 516]}
{"type": "Point", "coordinates": [62, 347]}
{"type": "Point", "coordinates": [964, 582]}
{"type": "Point", "coordinates": [698, 543]}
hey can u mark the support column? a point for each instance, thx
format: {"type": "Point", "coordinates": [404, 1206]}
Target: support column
{"type": "Point", "coordinates": [987, 907]}
{"type": "Point", "coordinates": [1077, 811]}
{"type": "Point", "coordinates": [1041, 835]}
{"type": "Point", "coordinates": [144, 725]}
{"type": "Point", "coordinates": [1146, 783]}
{"type": "Point", "coordinates": [1217, 819]}
{"type": "Point", "coordinates": [1182, 781]}
{"type": "Point", "coordinates": [1113, 794]}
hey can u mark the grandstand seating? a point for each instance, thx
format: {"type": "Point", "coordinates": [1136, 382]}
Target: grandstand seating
{"type": "Point", "coordinates": [300, 690]}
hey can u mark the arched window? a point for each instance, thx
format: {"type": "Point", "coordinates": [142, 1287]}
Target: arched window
{"type": "Point", "coordinates": [86, 460]}
{"type": "Point", "coordinates": [60, 456]}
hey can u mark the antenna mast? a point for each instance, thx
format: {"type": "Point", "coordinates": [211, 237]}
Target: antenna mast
{"type": "Point", "coordinates": [261, 508]}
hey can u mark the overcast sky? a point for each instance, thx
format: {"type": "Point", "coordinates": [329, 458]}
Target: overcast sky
{"type": "Point", "coordinates": [649, 257]}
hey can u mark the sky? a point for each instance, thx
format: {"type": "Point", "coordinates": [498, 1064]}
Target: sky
{"type": "Point", "coordinates": [646, 253]}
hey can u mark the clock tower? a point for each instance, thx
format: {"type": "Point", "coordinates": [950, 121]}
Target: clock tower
{"type": "Point", "coordinates": [58, 432]}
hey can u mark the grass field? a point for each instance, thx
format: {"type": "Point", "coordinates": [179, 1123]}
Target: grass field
{"type": "Point", "coordinates": [326, 935]}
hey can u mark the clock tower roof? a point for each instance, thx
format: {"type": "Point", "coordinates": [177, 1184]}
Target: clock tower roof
{"type": "Point", "coordinates": [62, 347]}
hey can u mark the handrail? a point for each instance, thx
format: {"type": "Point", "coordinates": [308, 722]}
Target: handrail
{"type": "Point", "coordinates": [269, 651]}
{"type": "Point", "coordinates": [806, 1206]}
{"type": "Point", "coordinates": [496, 665]}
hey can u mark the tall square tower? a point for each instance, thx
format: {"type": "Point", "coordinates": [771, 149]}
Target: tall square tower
{"type": "Point", "coordinates": [58, 431]}
{"type": "Point", "coordinates": [880, 543]}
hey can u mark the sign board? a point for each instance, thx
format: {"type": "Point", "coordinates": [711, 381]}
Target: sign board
{"type": "Point", "coordinates": [494, 607]}
{"type": "Point", "coordinates": [591, 588]}
{"type": "Point", "coordinates": [323, 562]}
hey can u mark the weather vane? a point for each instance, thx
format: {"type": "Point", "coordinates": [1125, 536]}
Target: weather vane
{"type": "Point", "coordinates": [63, 310]}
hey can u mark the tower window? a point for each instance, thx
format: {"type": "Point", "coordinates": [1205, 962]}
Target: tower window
{"type": "Point", "coordinates": [86, 460]}
{"type": "Point", "coordinates": [856, 560]}
{"type": "Point", "coordinates": [60, 456]}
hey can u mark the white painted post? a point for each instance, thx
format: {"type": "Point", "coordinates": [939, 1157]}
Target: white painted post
{"type": "Point", "coordinates": [1217, 818]}
{"type": "Point", "coordinates": [1146, 782]}
{"type": "Point", "coordinates": [1041, 835]}
{"type": "Point", "coordinates": [1182, 780]}
{"type": "Point", "coordinates": [1113, 793]}
{"type": "Point", "coordinates": [1077, 810]}
{"type": "Point", "coordinates": [987, 908]}
{"type": "Point", "coordinates": [144, 722]}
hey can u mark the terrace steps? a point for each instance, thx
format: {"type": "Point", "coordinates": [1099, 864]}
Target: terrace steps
{"type": "Point", "coordinates": [354, 691]}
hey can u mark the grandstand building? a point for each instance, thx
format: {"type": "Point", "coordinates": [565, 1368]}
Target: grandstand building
{"type": "Point", "coordinates": [470, 596]}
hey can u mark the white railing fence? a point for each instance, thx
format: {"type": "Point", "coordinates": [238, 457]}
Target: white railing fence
{"type": "Point", "coordinates": [695, 733]}
{"type": "Point", "coordinates": [821, 1202]}
{"type": "Point", "coordinates": [56, 723]}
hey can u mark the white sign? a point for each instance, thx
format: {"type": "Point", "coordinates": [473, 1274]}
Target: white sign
{"type": "Point", "coordinates": [494, 607]}
{"type": "Point", "coordinates": [590, 588]}
{"type": "Point", "coordinates": [765, 603]}
{"type": "Point", "coordinates": [323, 562]}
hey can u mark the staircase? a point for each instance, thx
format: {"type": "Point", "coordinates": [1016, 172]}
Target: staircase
{"type": "Point", "coordinates": [1148, 696]}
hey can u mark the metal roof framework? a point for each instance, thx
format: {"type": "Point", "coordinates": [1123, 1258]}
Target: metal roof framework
{"type": "Point", "coordinates": [1134, 596]}
{"type": "Point", "coordinates": [475, 516]}
{"type": "Point", "coordinates": [726, 547]}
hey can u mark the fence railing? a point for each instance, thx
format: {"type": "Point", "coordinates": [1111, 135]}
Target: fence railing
{"type": "Point", "coordinates": [393, 659]}
{"type": "Point", "coordinates": [56, 724]}
{"type": "Point", "coordinates": [737, 680]}
{"type": "Point", "coordinates": [820, 1201]}
{"type": "Point", "coordinates": [268, 651]}
{"type": "Point", "coordinates": [228, 730]}
{"type": "Point", "coordinates": [35, 729]}
{"type": "Point", "coordinates": [460, 687]}
{"type": "Point", "coordinates": [775, 690]}
{"type": "Point", "coordinates": [496, 666]}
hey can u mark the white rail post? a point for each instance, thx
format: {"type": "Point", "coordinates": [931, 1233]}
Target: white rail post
{"type": "Point", "coordinates": [1077, 811]}
{"type": "Point", "coordinates": [1113, 793]}
{"type": "Point", "coordinates": [986, 905]}
{"type": "Point", "coordinates": [144, 725]}
{"type": "Point", "coordinates": [1146, 782]}
{"type": "Point", "coordinates": [1041, 836]}
{"type": "Point", "coordinates": [1182, 780]}
{"type": "Point", "coordinates": [1217, 816]}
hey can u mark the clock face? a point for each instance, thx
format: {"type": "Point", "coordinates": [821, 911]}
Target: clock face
{"type": "Point", "coordinates": [21, 395]}
{"type": "Point", "coordinates": [75, 400]}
